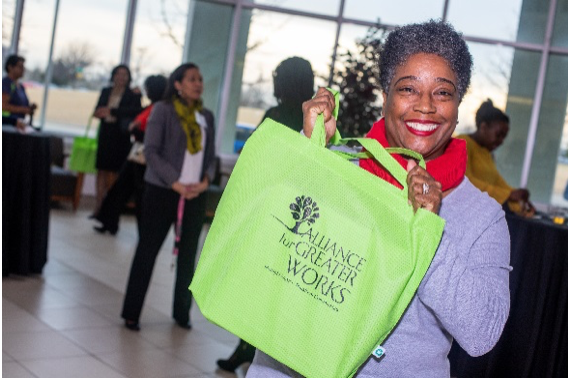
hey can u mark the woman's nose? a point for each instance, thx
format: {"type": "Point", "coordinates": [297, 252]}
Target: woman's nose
{"type": "Point", "coordinates": [425, 104]}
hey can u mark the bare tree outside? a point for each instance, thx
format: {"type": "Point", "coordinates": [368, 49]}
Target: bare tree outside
{"type": "Point", "coordinates": [169, 30]}
{"type": "Point", "coordinates": [252, 93]}
{"type": "Point", "coordinates": [139, 62]}
{"type": "Point", "coordinates": [69, 67]}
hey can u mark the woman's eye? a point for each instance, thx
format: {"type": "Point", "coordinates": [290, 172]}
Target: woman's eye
{"type": "Point", "coordinates": [444, 93]}
{"type": "Point", "coordinates": [406, 90]}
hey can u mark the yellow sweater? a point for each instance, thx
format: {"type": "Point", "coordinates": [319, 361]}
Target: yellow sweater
{"type": "Point", "coordinates": [483, 173]}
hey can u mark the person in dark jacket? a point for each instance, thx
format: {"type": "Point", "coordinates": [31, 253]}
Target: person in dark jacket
{"type": "Point", "coordinates": [293, 81]}
{"type": "Point", "coordinates": [116, 108]}
{"type": "Point", "coordinates": [130, 180]}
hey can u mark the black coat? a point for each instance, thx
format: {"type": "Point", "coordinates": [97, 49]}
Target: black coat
{"type": "Point", "coordinates": [114, 138]}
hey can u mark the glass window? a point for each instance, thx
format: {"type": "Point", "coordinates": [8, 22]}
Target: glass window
{"type": "Point", "coordinates": [326, 7]}
{"type": "Point", "coordinates": [548, 174]}
{"type": "Point", "coordinates": [88, 44]}
{"type": "Point", "coordinates": [490, 79]}
{"type": "Point", "coordinates": [508, 77]}
{"type": "Point", "coordinates": [560, 33]}
{"type": "Point", "coordinates": [35, 39]}
{"type": "Point", "coordinates": [509, 20]}
{"type": "Point", "coordinates": [520, 97]}
{"type": "Point", "coordinates": [159, 32]}
{"type": "Point", "coordinates": [560, 186]}
{"type": "Point", "coordinates": [209, 52]}
{"type": "Point", "coordinates": [8, 12]}
{"type": "Point", "coordinates": [394, 13]}
{"type": "Point", "coordinates": [272, 38]}
{"type": "Point", "coordinates": [355, 119]}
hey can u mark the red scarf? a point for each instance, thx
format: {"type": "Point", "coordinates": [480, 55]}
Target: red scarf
{"type": "Point", "coordinates": [448, 169]}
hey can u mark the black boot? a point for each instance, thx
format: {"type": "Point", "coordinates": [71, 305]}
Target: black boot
{"type": "Point", "coordinates": [243, 353]}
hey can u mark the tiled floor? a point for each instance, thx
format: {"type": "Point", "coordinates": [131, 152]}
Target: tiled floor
{"type": "Point", "coordinates": [66, 322]}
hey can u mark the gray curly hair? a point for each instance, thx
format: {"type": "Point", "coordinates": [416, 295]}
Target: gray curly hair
{"type": "Point", "coordinates": [431, 37]}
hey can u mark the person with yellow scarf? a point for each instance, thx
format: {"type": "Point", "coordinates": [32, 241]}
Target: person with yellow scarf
{"type": "Point", "coordinates": [179, 147]}
{"type": "Point", "coordinates": [492, 129]}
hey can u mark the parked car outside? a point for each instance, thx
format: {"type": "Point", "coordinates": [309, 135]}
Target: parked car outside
{"type": "Point", "coordinates": [243, 132]}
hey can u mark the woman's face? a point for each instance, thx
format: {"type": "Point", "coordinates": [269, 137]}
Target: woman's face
{"type": "Point", "coordinates": [17, 71]}
{"type": "Point", "coordinates": [190, 87]}
{"type": "Point", "coordinates": [493, 134]}
{"type": "Point", "coordinates": [121, 77]}
{"type": "Point", "coordinates": [421, 107]}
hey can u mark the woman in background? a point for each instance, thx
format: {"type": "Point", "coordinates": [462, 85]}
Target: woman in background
{"type": "Point", "coordinates": [15, 103]}
{"type": "Point", "coordinates": [131, 178]}
{"type": "Point", "coordinates": [492, 129]}
{"type": "Point", "coordinates": [293, 84]}
{"type": "Point", "coordinates": [179, 147]}
{"type": "Point", "coordinates": [116, 108]}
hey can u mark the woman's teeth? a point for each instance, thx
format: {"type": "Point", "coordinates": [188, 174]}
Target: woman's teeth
{"type": "Point", "coordinates": [422, 126]}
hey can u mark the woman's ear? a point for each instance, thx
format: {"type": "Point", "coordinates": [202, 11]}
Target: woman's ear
{"type": "Point", "coordinates": [177, 86]}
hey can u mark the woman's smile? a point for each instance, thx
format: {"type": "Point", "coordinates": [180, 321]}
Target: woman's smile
{"type": "Point", "coordinates": [422, 128]}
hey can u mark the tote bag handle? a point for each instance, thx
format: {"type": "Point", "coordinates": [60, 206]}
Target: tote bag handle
{"type": "Point", "coordinates": [373, 147]}
{"type": "Point", "coordinates": [88, 128]}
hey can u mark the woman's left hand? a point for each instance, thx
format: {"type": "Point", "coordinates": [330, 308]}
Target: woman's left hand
{"type": "Point", "coordinates": [423, 191]}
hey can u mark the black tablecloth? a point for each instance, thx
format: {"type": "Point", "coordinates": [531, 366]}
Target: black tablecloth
{"type": "Point", "coordinates": [535, 339]}
{"type": "Point", "coordinates": [25, 201]}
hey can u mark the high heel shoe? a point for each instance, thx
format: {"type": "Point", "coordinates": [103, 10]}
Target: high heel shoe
{"type": "Point", "coordinates": [184, 325]}
{"type": "Point", "coordinates": [243, 353]}
{"type": "Point", "coordinates": [102, 229]}
{"type": "Point", "coordinates": [132, 325]}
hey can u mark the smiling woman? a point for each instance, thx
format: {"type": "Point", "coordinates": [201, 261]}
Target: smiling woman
{"type": "Point", "coordinates": [423, 103]}
{"type": "Point", "coordinates": [425, 72]}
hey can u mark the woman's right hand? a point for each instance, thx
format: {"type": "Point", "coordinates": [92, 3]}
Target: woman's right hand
{"type": "Point", "coordinates": [179, 188]}
{"type": "Point", "coordinates": [323, 102]}
{"type": "Point", "coordinates": [134, 125]}
{"type": "Point", "coordinates": [102, 112]}
{"type": "Point", "coordinates": [190, 191]}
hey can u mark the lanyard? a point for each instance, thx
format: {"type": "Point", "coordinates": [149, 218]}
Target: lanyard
{"type": "Point", "coordinates": [180, 209]}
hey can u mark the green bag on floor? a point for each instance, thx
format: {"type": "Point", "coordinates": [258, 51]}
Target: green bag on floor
{"type": "Point", "coordinates": [84, 153]}
{"type": "Point", "coordinates": [310, 258]}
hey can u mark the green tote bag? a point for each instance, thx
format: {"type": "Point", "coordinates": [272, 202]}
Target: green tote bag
{"type": "Point", "coordinates": [310, 258]}
{"type": "Point", "coordinates": [84, 153]}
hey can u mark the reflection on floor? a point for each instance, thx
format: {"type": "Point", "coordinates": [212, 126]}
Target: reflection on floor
{"type": "Point", "coordinates": [66, 322]}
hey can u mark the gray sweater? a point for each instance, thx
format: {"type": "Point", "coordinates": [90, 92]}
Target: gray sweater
{"type": "Point", "coordinates": [463, 296]}
{"type": "Point", "coordinates": [165, 144]}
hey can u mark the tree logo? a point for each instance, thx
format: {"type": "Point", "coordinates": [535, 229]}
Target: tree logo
{"type": "Point", "coordinates": [304, 210]}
